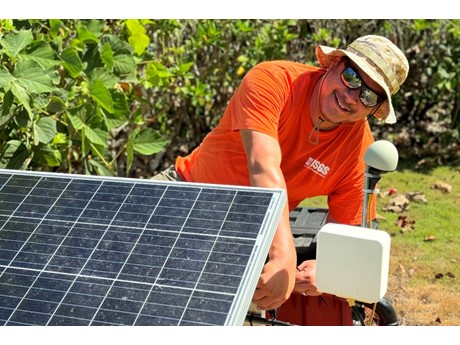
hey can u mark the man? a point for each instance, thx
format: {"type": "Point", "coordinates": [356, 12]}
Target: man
{"type": "Point", "coordinates": [303, 129]}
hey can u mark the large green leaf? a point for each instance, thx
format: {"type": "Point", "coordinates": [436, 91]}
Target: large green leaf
{"type": "Point", "coordinates": [86, 35]}
{"type": "Point", "coordinates": [55, 105]}
{"type": "Point", "coordinates": [120, 111]}
{"type": "Point", "coordinates": [101, 95]}
{"type": "Point", "coordinates": [14, 42]}
{"type": "Point", "coordinates": [23, 119]}
{"type": "Point", "coordinates": [32, 77]}
{"type": "Point", "coordinates": [5, 77]}
{"type": "Point", "coordinates": [95, 26]}
{"type": "Point", "coordinates": [107, 55]}
{"type": "Point", "coordinates": [114, 121]}
{"type": "Point", "coordinates": [14, 155]}
{"type": "Point", "coordinates": [72, 62]}
{"type": "Point", "coordinates": [129, 155]}
{"type": "Point", "coordinates": [123, 61]}
{"type": "Point", "coordinates": [96, 136]}
{"type": "Point", "coordinates": [75, 120]}
{"type": "Point", "coordinates": [40, 101]}
{"type": "Point", "coordinates": [8, 100]}
{"type": "Point", "coordinates": [42, 53]}
{"type": "Point", "coordinates": [124, 64]}
{"type": "Point", "coordinates": [157, 74]}
{"type": "Point", "coordinates": [92, 59]}
{"type": "Point", "coordinates": [101, 169]}
{"type": "Point", "coordinates": [103, 75]}
{"type": "Point", "coordinates": [120, 104]}
{"type": "Point", "coordinates": [138, 37]}
{"type": "Point", "coordinates": [47, 156]}
{"type": "Point", "coordinates": [118, 46]}
{"type": "Point", "coordinates": [55, 26]}
{"type": "Point", "coordinates": [22, 95]}
{"type": "Point", "coordinates": [60, 138]}
{"type": "Point", "coordinates": [45, 130]}
{"type": "Point", "coordinates": [148, 142]}
{"type": "Point", "coordinates": [7, 112]}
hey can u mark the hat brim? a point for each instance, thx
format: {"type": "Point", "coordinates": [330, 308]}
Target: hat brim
{"type": "Point", "coordinates": [326, 57]}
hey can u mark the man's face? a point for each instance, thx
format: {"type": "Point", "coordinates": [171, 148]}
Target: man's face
{"type": "Point", "coordinates": [348, 94]}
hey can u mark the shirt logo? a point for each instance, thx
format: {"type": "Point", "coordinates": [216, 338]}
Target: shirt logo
{"type": "Point", "coordinates": [316, 166]}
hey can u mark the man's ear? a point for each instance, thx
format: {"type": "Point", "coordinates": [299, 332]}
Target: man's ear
{"type": "Point", "coordinates": [337, 60]}
{"type": "Point", "coordinates": [375, 112]}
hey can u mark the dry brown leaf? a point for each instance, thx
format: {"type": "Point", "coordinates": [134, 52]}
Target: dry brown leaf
{"type": "Point", "coordinates": [421, 162]}
{"type": "Point", "coordinates": [395, 209]}
{"type": "Point", "coordinates": [417, 196]}
{"type": "Point", "coordinates": [405, 274]}
{"type": "Point", "coordinates": [442, 186]}
{"type": "Point", "coordinates": [399, 200]}
{"type": "Point", "coordinates": [450, 275]}
{"type": "Point", "coordinates": [405, 224]}
{"type": "Point", "coordinates": [402, 271]}
{"type": "Point", "coordinates": [411, 272]}
{"type": "Point", "coordinates": [397, 204]}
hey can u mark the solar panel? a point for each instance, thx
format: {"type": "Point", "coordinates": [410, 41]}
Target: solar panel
{"type": "Point", "coordinates": [89, 250]}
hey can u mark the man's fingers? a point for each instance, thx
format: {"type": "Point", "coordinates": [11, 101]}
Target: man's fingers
{"type": "Point", "coordinates": [265, 304]}
{"type": "Point", "coordinates": [258, 295]}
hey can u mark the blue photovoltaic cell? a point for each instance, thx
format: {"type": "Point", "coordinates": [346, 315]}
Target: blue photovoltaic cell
{"type": "Point", "coordinates": [79, 250]}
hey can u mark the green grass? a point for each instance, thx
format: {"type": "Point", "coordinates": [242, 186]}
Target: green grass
{"type": "Point", "coordinates": [438, 218]}
{"type": "Point", "coordinates": [424, 277]}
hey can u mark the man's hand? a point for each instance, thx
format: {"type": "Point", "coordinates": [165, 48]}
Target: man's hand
{"type": "Point", "coordinates": [305, 282]}
{"type": "Point", "coordinates": [274, 286]}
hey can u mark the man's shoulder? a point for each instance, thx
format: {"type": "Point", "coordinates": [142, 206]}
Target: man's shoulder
{"type": "Point", "coordinates": [281, 70]}
{"type": "Point", "coordinates": [286, 65]}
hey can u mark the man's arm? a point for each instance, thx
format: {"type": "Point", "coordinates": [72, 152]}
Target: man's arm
{"type": "Point", "coordinates": [278, 275]}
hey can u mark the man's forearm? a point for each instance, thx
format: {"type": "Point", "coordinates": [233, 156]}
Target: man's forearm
{"type": "Point", "coordinates": [283, 248]}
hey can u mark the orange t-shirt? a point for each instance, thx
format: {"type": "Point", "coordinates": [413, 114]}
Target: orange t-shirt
{"type": "Point", "coordinates": [274, 98]}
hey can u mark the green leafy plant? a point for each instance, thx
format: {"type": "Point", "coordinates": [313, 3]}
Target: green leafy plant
{"type": "Point", "coordinates": [67, 91]}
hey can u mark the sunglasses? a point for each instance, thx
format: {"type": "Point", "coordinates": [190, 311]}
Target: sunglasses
{"type": "Point", "coordinates": [352, 80]}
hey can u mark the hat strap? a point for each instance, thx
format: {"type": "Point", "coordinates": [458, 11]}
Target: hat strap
{"type": "Point", "coordinates": [363, 49]}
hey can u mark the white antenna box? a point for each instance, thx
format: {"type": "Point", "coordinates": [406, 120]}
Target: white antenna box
{"type": "Point", "coordinates": [353, 262]}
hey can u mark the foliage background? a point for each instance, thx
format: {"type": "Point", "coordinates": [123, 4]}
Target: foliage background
{"type": "Point", "coordinates": [125, 97]}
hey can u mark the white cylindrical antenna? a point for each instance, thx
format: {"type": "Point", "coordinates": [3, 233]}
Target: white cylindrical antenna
{"type": "Point", "coordinates": [380, 157]}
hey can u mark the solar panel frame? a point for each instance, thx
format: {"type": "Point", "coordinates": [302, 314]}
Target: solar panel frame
{"type": "Point", "coordinates": [33, 255]}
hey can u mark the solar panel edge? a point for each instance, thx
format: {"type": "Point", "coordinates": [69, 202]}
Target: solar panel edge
{"type": "Point", "coordinates": [141, 181]}
{"type": "Point", "coordinates": [251, 275]}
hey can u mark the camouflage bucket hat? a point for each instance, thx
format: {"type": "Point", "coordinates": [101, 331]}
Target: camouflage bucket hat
{"type": "Point", "coordinates": [380, 59]}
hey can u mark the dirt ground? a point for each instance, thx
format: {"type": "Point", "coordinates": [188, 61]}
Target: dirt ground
{"type": "Point", "coordinates": [434, 304]}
